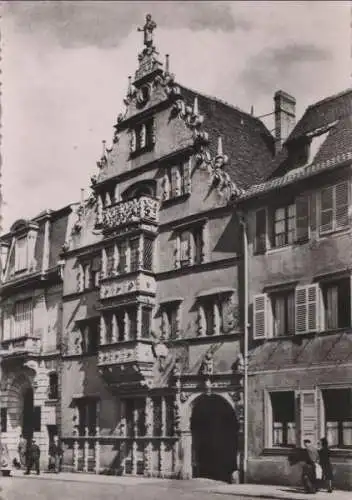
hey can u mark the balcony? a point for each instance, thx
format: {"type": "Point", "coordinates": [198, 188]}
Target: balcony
{"type": "Point", "coordinates": [20, 347]}
{"type": "Point", "coordinates": [126, 362]}
{"type": "Point", "coordinates": [143, 209]}
{"type": "Point", "coordinates": [137, 282]}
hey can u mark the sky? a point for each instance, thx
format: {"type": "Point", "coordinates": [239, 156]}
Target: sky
{"type": "Point", "coordinates": [65, 68]}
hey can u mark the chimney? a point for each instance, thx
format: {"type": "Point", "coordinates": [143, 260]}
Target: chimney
{"type": "Point", "coordinates": [285, 117]}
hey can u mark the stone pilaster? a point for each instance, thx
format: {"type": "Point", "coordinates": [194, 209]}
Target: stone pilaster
{"type": "Point", "coordinates": [86, 451]}
{"type": "Point", "coordinates": [134, 443]}
{"type": "Point", "coordinates": [139, 322]}
{"type": "Point", "coordinates": [186, 453]}
{"type": "Point", "coordinates": [217, 319]}
{"type": "Point", "coordinates": [114, 328]}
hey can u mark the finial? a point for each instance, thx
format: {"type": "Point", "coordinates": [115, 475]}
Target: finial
{"type": "Point", "coordinates": [220, 159]}
{"type": "Point", "coordinates": [129, 89]}
{"type": "Point", "coordinates": [252, 110]}
{"type": "Point", "coordinates": [82, 196]}
{"type": "Point", "coordinates": [167, 63]}
{"type": "Point", "coordinates": [103, 142]}
{"type": "Point", "coordinates": [195, 106]}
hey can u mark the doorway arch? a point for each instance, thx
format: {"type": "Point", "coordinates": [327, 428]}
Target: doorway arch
{"type": "Point", "coordinates": [20, 405]}
{"type": "Point", "coordinates": [214, 429]}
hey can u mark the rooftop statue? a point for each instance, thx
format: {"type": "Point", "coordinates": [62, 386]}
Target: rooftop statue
{"type": "Point", "coordinates": [148, 29]}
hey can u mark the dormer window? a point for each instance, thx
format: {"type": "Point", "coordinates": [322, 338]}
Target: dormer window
{"type": "Point", "coordinates": [142, 137]}
{"type": "Point", "coordinates": [21, 254]}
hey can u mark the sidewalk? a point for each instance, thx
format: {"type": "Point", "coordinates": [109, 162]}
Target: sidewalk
{"type": "Point", "coordinates": [196, 485]}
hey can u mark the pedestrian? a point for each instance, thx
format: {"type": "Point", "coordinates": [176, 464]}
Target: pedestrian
{"type": "Point", "coordinates": [324, 459]}
{"type": "Point", "coordinates": [309, 467]}
{"type": "Point", "coordinates": [22, 450]}
{"type": "Point", "coordinates": [33, 457]}
{"type": "Point", "coordinates": [55, 455]}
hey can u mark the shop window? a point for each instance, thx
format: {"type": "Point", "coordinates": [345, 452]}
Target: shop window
{"type": "Point", "coordinates": [282, 421]}
{"type": "Point", "coordinates": [338, 417]}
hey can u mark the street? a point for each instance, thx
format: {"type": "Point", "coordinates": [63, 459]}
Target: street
{"type": "Point", "coordinates": [33, 488]}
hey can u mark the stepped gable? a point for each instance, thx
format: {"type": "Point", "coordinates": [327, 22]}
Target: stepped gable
{"type": "Point", "coordinates": [333, 116]}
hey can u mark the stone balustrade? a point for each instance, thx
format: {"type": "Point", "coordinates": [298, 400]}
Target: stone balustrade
{"type": "Point", "coordinates": [115, 354]}
{"type": "Point", "coordinates": [143, 209]}
{"type": "Point", "coordinates": [138, 282]}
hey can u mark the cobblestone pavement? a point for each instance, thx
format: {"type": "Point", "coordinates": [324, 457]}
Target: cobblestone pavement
{"type": "Point", "coordinates": [90, 486]}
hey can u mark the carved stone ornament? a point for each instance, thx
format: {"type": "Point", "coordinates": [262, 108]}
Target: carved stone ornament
{"type": "Point", "coordinates": [184, 396]}
{"type": "Point", "coordinates": [207, 367]}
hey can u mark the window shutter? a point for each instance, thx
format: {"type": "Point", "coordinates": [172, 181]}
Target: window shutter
{"type": "Point", "coordinates": [260, 231]}
{"type": "Point", "coordinates": [260, 313]}
{"type": "Point", "coordinates": [307, 310]}
{"type": "Point", "coordinates": [313, 211]}
{"type": "Point", "coordinates": [341, 204]}
{"type": "Point", "coordinates": [7, 322]}
{"type": "Point", "coordinates": [302, 218]}
{"type": "Point", "coordinates": [326, 209]}
{"type": "Point", "coordinates": [308, 416]}
{"type": "Point", "coordinates": [187, 171]}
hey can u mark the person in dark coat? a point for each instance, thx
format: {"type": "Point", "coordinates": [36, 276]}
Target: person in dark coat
{"type": "Point", "coordinates": [33, 457]}
{"type": "Point", "coordinates": [55, 455]}
{"type": "Point", "coordinates": [309, 472]}
{"type": "Point", "coordinates": [324, 459]}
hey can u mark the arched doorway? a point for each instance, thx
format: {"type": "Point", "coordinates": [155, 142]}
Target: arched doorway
{"type": "Point", "coordinates": [27, 413]}
{"type": "Point", "coordinates": [214, 438]}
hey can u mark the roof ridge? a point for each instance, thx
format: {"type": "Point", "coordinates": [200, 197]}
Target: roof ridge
{"type": "Point", "coordinates": [221, 101]}
{"type": "Point", "coordinates": [331, 98]}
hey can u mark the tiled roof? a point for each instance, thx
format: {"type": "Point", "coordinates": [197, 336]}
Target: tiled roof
{"type": "Point", "coordinates": [324, 112]}
{"type": "Point", "coordinates": [246, 141]}
{"type": "Point", "coordinates": [334, 112]}
{"type": "Point", "coordinates": [295, 175]}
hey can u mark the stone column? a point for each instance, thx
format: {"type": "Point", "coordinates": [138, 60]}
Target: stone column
{"type": "Point", "coordinates": [114, 329]}
{"type": "Point", "coordinates": [97, 450]}
{"type": "Point", "coordinates": [75, 455]}
{"type": "Point", "coordinates": [126, 320]}
{"type": "Point", "coordinates": [186, 454]}
{"type": "Point", "coordinates": [102, 330]}
{"type": "Point", "coordinates": [149, 433]}
{"type": "Point", "coordinates": [86, 451]}
{"type": "Point", "coordinates": [103, 263]}
{"type": "Point", "coordinates": [216, 319]}
{"type": "Point", "coordinates": [139, 322]}
{"type": "Point", "coordinates": [163, 434]}
{"type": "Point", "coordinates": [135, 434]}
{"type": "Point", "coordinates": [140, 252]}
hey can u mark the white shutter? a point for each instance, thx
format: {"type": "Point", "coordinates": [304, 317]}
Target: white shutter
{"type": "Point", "coordinates": [308, 416]}
{"type": "Point", "coordinates": [307, 308]}
{"type": "Point", "coordinates": [260, 316]}
{"type": "Point", "coordinates": [341, 205]}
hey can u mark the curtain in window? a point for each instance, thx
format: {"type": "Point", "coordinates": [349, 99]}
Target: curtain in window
{"type": "Point", "coordinates": [279, 316]}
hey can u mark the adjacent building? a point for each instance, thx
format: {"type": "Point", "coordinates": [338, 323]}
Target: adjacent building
{"type": "Point", "coordinates": [31, 307]}
{"type": "Point", "coordinates": [300, 276]}
{"type": "Point", "coordinates": [152, 366]}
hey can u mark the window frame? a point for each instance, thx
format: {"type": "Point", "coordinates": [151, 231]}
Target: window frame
{"type": "Point", "coordinates": [286, 222]}
{"type": "Point", "coordinates": [269, 420]}
{"type": "Point", "coordinates": [334, 208]}
{"type": "Point", "coordinates": [323, 419]}
{"type": "Point", "coordinates": [197, 247]}
{"type": "Point", "coordinates": [20, 266]}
